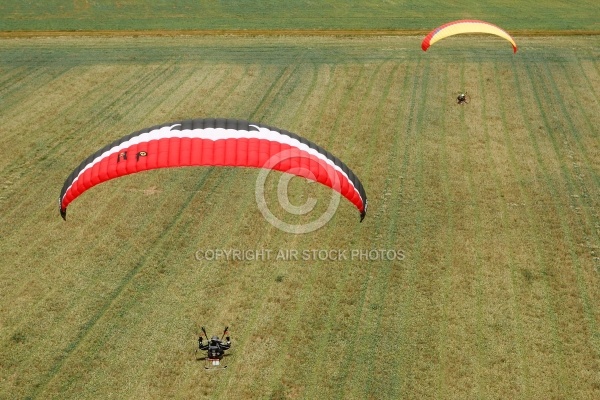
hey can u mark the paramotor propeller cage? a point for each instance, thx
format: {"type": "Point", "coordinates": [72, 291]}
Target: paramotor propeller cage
{"type": "Point", "coordinates": [215, 350]}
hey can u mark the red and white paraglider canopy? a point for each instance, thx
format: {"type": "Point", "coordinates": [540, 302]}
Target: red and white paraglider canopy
{"type": "Point", "coordinates": [213, 142]}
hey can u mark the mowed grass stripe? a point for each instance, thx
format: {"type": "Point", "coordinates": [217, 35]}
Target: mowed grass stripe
{"type": "Point", "coordinates": [339, 329]}
{"type": "Point", "coordinates": [26, 85]}
{"type": "Point", "coordinates": [504, 323]}
{"type": "Point", "coordinates": [62, 95]}
{"type": "Point", "coordinates": [587, 91]}
{"type": "Point", "coordinates": [278, 363]}
{"type": "Point", "coordinates": [264, 324]}
{"type": "Point", "coordinates": [395, 345]}
{"type": "Point", "coordinates": [529, 252]}
{"type": "Point", "coordinates": [409, 216]}
{"type": "Point", "coordinates": [287, 300]}
{"type": "Point", "coordinates": [201, 228]}
{"type": "Point", "coordinates": [583, 94]}
{"type": "Point", "coordinates": [12, 74]}
{"type": "Point", "coordinates": [326, 327]}
{"type": "Point", "coordinates": [442, 140]}
{"type": "Point", "coordinates": [21, 84]}
{"type": "Point", "coordinates": [31, 219]}
{"type": "Point", "coordinates": [589, 237]}
{"type": "Point", "coordinates": [556, 97]}
{"type": "Point", "coordinates": [400, 286]}
{"type": "Point", "coordinates": [73, 107]}
{"type": "Point", "coordinates": [408, 373]}
{"type": "Point", "coordinates": [57, 81]}
{"type": "Point", "coordinates": [286, 384]}
{"type": "Point", "coordinates": [279, 82]}
{"type": "Point", "coordinates": [452, 347]}
{"type": "Point", "coordinates": [595, 104]}
{"type": "Point", "coordinates": [370, 366]}
{"type": "Point", "coordinates": [281, 95]}
{"type": "Point", "coordinates": [112, 216]}
{"type": "Point", "coordinates": [460, 327]}
{"type": "Point", "coordinates": [486, 265]}
{"type": "Point", "coordinates": [215, 88]}
{"type": "Point", "coordinates": [113, 303]}
{"type": "Point", "coordinates": [210, 90]}
{"type": "Point", "coordinates": [342, 103]}
{"type": "Point", "coordinates": [343, 323]}
{"type": "Point", "coordinates": [220, 96]}
{"type": "Point", "coordinates": [568, 235]}
{"type": "Point", "coordinates": [269, 95]}
{"type": "Point", "coordinates": [346, 377]}
{"type": "Point", "coordinates": [90, 325]}
{"type": "Point", "coordinates": [279, 298]}
{"type": "Point", "coordinates": [449, 274]}
{"type": "Point", "coordinates": [13, 134]}
{"type": "Point", "coordinates": [528, 277]}
{"type": "Point", "coordinates": [578, 133]}
{"type": "Point", "coordinates": [331, 95]}
{"type": "Point", "coordinates": [519, 303]}
{"type": "Point", "coordinates": [574, 178]}
{"type": "Point", "coordinates": [552, 294]}
{"type": "Point", "coordinates": [525, 79]}
{"type": "Point", "coordinates": [69, 145]}
{"type": "Point", "coordinates": [374, 378]}
{"type": "Point", "coordinates": [448, 250]}
{"type": "Point", "coordinates": [264, 312]}
{"type": "Point", "coordinates": [84, 115]}
{"type": "Point", "coordinates": [596, 64]}
{"type": "Point", "coordinates": [470, 153]}
{"type": "Point", "coordinates": [25, 227]}
{"type": "Point", "coordinates": [114, 108]}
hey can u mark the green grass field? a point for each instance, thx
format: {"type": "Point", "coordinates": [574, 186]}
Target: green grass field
{"type": "Point", "coordinates": [494, 206]}
{"type": "Point", "coordinates": [118, 15]}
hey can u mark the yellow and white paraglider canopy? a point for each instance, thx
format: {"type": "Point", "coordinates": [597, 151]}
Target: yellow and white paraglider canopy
{"type": "Point", "coordinates": [465, 26]}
